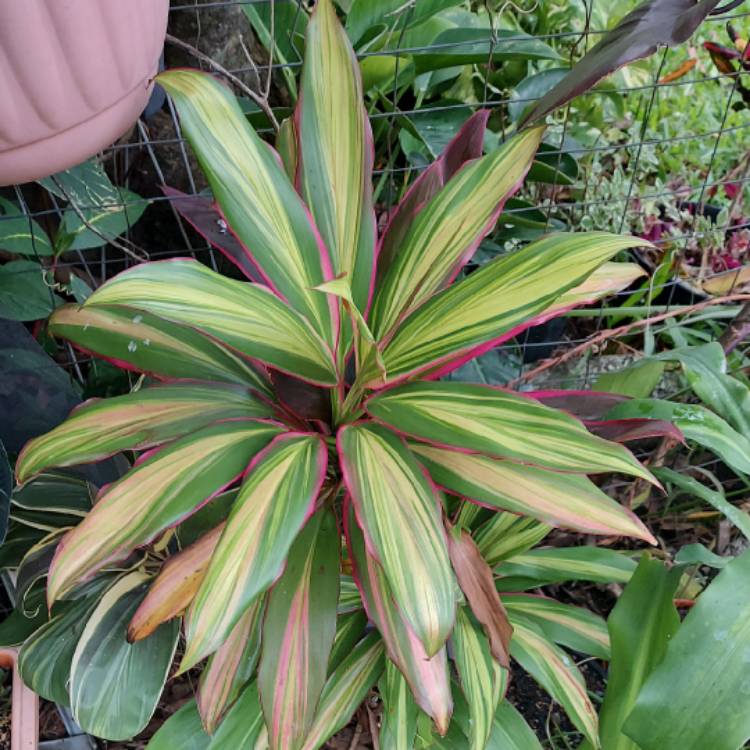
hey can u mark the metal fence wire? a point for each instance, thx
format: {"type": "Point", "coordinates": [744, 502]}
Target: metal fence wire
{"type": "Point", "coordinates": [631, 172]}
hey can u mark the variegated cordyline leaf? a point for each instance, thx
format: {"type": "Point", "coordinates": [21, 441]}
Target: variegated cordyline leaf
{"type": "Point", "coordinates": [445, 233]}
{"type": "Point", "coordinates": [169, 485]}
{"type": "Point", "coordinates": [277, 497]}
{"type": "Point", "coordinates": [427, 676]}
{"type": "Point", "coordinates": [345, 690]}
{"type": "Point", "coordinates": [336, 151]}
{"type": "Point", "coordinates": [574, 627]}
{"type": "Point", "coordinates": [287, 146]}
{"type": "Point", "coordinates": [400, 513]}
{"type": "Point", "coordinates": [569, 500]}
{"type": "Point", "coordinates": [136, 340]}
{"type": "Point", "coordinates": [506, 534]}
{"type": "Point", "coordinates": [298, 632]}
{"type": "Point", "coordinates": [398, 724]}
{"type": "Point", "coordinates": [477, 583]}
{"type": "Point", "coordinates": [175, 586]}
{"type": "Point", "coordinates": [555, 671]}
{"type": "Point", "coordinates": [466, 145]}
{"type": "Point", "coordinates": [246, 317]}
{"type": "Point", "coordinates": [491, 304]}
{"type": "Point", "coordinates": [349, 630]}
{"type": "Point", "coordinates": [244, 172]}
{"type": "Point", "coordinates": [495, 422]}
{"type": "Point", "coordinates": [230, 668]}
{"type": "Point", "coordinates": [102, 427]}
{"type": "Point", "coordinates": [483, 680]}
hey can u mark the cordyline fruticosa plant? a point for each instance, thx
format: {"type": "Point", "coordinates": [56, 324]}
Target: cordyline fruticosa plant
{"type": "Point", "coordinates": [315, 391]}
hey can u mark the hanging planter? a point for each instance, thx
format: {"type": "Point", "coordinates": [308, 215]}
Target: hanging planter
{"type": "Point", "coordinates": [76, 75]}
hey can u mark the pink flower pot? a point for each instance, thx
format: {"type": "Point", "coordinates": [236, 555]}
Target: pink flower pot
{"type": "Point", "coordinates": [76, 74]}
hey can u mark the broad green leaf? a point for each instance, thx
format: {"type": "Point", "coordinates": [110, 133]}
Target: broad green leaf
{"type": "Point", "coordinates": [398, 724]}
{"type": "Point", "coordinates": [155, 495]}
{"type": "Point", "coordinates": [510, 731]}
{"type": "Point", "coordinates": [483, 680]}
{"type": "Point", "coordinates": [243, 725]}
{"type": "Point", "coordinates": [277, 497]}
{"type": "Point", "coordinates": [247, 317]}
{"type": "Point", "coordinates": [400, 514]}
{"type": "Point", "coordinates": [336, 152]}
{"type": "Point", "coordinates": [506, 535]}
{"type": "Point", "coordinates": [349, 630]}
{"type": "Point", "coordinates": [427, 676]}
{"type": "Point", "coordinates": [114, 685]}
{"type": "Point", "coordinates": [346, 689]}
{"type": "Point", "coordinates": [181, 730]}
{"type": "Point", "coordinates": [489, 420]}
{"type": "Point", "coordinates": [568, 500]}
{"type": "Point", "coordinates": [559, 564]}
{"type": "Point", "coordinates": [641, 625]}
{"type": "Point", "coordinates": [24, 293]}
{"type": "Point", "coordinates": [698, 696]}
{"type": "Point", "coordinates": [174, 588]}
{"type": "Point", "coordinates": [137, 340]}
{"type": "Point", "coordinates": [489, 304]}
{"type": "Point", "coordinates": [696, 423]}
{"type": "Point", "coordinates": [24, 620]}
{"type": "Point", "coordinates": [243, 171]}
{"type": "Point", "coordinates": [101, 428]}
{"type": "Point", "coordinates": [574, 627]}
{"type": "Point", "coordinates": [230, 668]}
{"type": "Point", "coordinates": [531, 89]}
{"type": "Point", "coordinates": [298, 633]}
{"type": "Point", "coordinates": [555, 671]}
{"type": "Point", "coordinates": [446, 232]}
{"type": "Point", "coordinates": [20, 234]}
{"type": "Point", "coordinates": [637, 381]}
{"type": "Point", "coordinates": [55, 493]}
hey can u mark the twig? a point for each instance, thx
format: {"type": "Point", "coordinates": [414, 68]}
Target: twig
{"type": "Point", "coordinates": [610, 333]}
{"type": "Point", "coordinates": [355, 739]}
{"type": "Point", "coordinates": [261, 101]}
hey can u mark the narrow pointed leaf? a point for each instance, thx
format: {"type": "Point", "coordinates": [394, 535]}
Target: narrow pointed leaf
{"type": "Point", "coordinates": [181, 730]}
{"type": "Point", "coordinates": [564, 624]}
{"type": "Point", "coordinates": [555, 671]}
{"type": "Point", "coordinates": [398, 724]}
{"type": "Point", "coordinates": [244, 171]}
{"type": "Point", "coordinates": [246, 317]}
{"type": "Point", "coordinates": [298, 633]}
{"type": "Point", "coordinates": [489, 305]}
{"type": "Point", "coordinates": [482, 678]}
{"type": "Point", "coordinates": [230, 668]}
{"type": "Point", "coordinates": [243, 725]}
{"type": "Point", "coordinates": [287, 145]}
{"type": "Point", "coordinates": [114, 685]}
{"type": "Point", "coordinates": [447, 231]}
{"type": "Point", "coordinates": [427, 676]}
{"type": "Point", "coordinates": [506, 535]}
{"type": "Point", "coordinates": [465, 146]}
{"type": "Point", "coordinates": [629, 430]}
{"type": "Point", "coordinates": [569, 500]}
{"type": "Point", "coordinates": [349, 630]}
{"type": "Point", "coordinates": [495, 422]}
{"type": "Point", "coordinates": [100, 428]}
{"type": "Point", "coordinates": [155, 495]}
{"type": "Point", "coordinates": [276, 499]}
{"type": "Point", "coordinates": [511, 732]}
{"type": "Point", "coordinates": [175, 586]}
{"type": "Point", "coordinates": [336, 151]}
{"type": "Point", "coordinates": [476, 581]}
{"type": "Point", "coordinates": [400, 514]}
{"type": "Point", "coordinates": [137, 340]}
{"type": "Point", "coordinates": [346, 689]}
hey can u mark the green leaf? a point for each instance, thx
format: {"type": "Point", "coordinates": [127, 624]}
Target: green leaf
{"type": "Point", "coordinates": [349, 630]}
{"type": "Point", "coordinates": [532, 88]}
{"type": "Point", "coordinates": [569, 500]}
{"type": "Point", "coordinates": [144, 419]}
{"type": "Point", "coordinates": [493, 303]}
{"type": "Point", "coordinates": [698, 696]}
{"type": "Point", "coordinates": [20, 234]}
{"type": "Point", "coordinates": [155, 495]}
{"type": "Point", "coordinates": [640, 626]}
{"type": "Point", "coordinates": [400, 515]}
{"type": "Point", "coordinates": [276, 499]}
{"type": "Point", "coordinates": [243, 171]}
{"type": "Point", "coordinates": [114, 685]}
{"type": "Point", "coordinates": [6, 487]}
{"type": "Point", "coordinates": [499, 423]}
{"type": "Point", "coordinates": [505, 535]}
{"type": "Point", "coordinates": [24, 294]}
{"type": "Point", "coordinates": [298, 633]}
{"type": "Point", "coordinates": [243, 725]}
{"type": "Point", "coordinates": [696, 423]}
{"type": "Point", "coordinates": [637, 381]}
{"type": "Point", "coordinates": [510, 731]}
{"type": "Point", "coordinates": [181, 730]}
{"type": "Point", "coordinates": [336, 152]}
{"type": "Point", "coordinates": [398, 725]}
